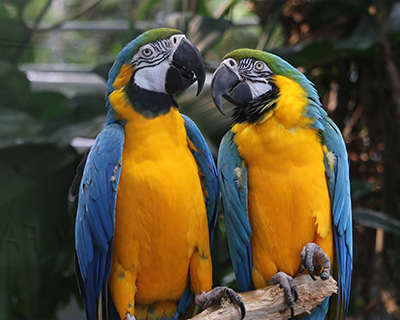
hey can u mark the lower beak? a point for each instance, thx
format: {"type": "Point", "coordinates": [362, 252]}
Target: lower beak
{"type": "Point", "coordinates": [227, 84]}
{"type": "Point", "coordinates": [187, 66]}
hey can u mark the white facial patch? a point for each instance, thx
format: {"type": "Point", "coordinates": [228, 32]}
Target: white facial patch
{"type": "Point", "coordinates": [258, 88]}
{"type": "Point", "coordinates": [153, 78]}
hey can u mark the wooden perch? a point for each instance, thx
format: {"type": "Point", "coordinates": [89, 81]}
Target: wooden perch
{"type": "Point", "coordinates": [269, 302]}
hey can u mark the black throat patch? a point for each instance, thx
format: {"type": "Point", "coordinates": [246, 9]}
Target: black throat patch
{"type": "Point", "coordinates": [255, 109]}
{"type": "Point", "coordinates": [148, 103]}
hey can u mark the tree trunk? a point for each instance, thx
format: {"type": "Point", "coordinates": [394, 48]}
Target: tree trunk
{"type": "Point", "coordinates": [269, 302]}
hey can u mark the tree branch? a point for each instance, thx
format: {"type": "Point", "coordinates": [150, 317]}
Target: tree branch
{"type": "Point", "coordinates": [269, 302]}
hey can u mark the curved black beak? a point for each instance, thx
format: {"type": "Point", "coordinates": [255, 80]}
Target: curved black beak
{"type": "Point", "coordinates": [187, 66]}
{"type": "Point", "coordinates": [226, 83]}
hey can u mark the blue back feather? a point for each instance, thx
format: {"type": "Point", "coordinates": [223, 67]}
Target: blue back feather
{"type": "Point", "coordinates": [206, 163]}
{"type": "Point", "coordinates": [234, 204]}
{"type": "Point", "coordinates": [339, 189]}
{"type": "Point", "coordinates": [95, 218]}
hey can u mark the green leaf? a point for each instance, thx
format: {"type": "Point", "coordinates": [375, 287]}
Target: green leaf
{"type": "Point", "coordinates": [102, 69]}
{"type": "Point", "coordinates": [320, 15]}
{"type": "Point", "coordinates": [361, 188]}
{"type": "Point", "coordinates": [360, 41]}
{"type": "Point", "coordinates": [14, 87]}
{"type": "Point", "coordinates": [363, 37]}
{"type": "Point", "coordinates": [36, 242]}
{"type": "Point", "coordinates": [13, 34]}
{"type": "Point", "coordinates": [205, 32]}
{"type": "Point", "coordinates": [377, 220]}
{"type": "Point", "coordinates": [146, 7]}
{"type": "Point", "coordinates": [43, 116]}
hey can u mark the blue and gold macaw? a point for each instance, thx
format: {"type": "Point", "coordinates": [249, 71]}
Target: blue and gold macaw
{"type": "Point", "coordinates": [284, 179]}
{"type": "Point", "coordinates": [148, 197]}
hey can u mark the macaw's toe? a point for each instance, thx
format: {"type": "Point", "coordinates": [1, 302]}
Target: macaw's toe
{"type": "Point", "coordinates": [206, 299]}
{"type": "Point", "coordinates": [289, 288]}
{"type": "Point", "coordinates": [129, 317]}
{"type": "Point", "coordinates": [314, 258]}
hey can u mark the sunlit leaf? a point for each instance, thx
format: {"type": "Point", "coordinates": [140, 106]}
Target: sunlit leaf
{"type": "Point", "coordinates": [377, 220]}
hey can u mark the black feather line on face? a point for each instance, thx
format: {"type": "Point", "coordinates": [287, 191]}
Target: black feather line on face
{"type": "Point", "coordinates": [254, 111]}
{"type": "Point", "coordinates": [150, 104]}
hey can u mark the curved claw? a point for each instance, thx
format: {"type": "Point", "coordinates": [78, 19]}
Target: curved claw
{"type": "Point", "coordinates": [289, 288]}
{"type": "Point", "coordinates": [129, 317]}
{"type": "Point", "coordinates": [314, 258]}
{"type": "Point", "coordinates": [206, 299]}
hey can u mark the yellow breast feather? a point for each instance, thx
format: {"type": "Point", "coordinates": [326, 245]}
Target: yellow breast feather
{"type": "Point", "coordinates": [161, 229]}
{"type": "Point", "coordinates": [288, 197]}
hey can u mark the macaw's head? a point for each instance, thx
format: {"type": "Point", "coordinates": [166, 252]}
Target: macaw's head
{"type": "Point", "coordinates": [149, 70]}
{"type": "Point", "coordinates": [255, 81]}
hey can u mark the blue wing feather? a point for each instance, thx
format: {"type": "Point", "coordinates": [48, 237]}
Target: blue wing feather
{"type": "Point", "coordinates": [95, 218]}
{"type": "Point", "coordinates": [206, 165]}
{"type": "Point", "coordinates": [339, 189]}
{"type": "Point", "coordinates": [232, 173]}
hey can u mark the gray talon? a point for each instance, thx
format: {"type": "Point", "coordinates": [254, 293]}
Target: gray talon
{"type": "Point", "coordinates": [314, 258]}
{"type": "Point", "coordinates": [205, 300]}
{"type": "Point", "coordinates": [289, 288]}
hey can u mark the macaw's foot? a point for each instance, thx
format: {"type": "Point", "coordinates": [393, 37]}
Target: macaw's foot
{"type": "Point", "coordinates": [314, 258]}
{"type": "Point", "coordinates": [129, 317]}
{"type": "Point", "coordinates": [289, 288]}
{"type": "Point", "coordinates": [205, 300]}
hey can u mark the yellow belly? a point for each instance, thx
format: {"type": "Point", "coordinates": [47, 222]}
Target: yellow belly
{"type": "Point", "coordinates": [161, 220]}
{"type": "Point", "coordinates": [288, 199]}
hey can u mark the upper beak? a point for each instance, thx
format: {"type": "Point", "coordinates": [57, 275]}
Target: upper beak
{"type": "Point", "coordinates": [187, 66]}
{"type": "Point", "coordinates": [226, 83]}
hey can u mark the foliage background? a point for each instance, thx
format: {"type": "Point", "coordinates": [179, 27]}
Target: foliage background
{"type": "Point", "coordinates": [54, 58]}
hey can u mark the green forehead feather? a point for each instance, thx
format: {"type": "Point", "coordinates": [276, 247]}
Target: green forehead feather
{"type": "Point", "coordinates": [240, 54]}
{"type": "Point", "coordinates": [275, 63]}
{"type": "Point", "coordinates": [156, 34]}
{"type": "Point", "coordinates": [126, 54]}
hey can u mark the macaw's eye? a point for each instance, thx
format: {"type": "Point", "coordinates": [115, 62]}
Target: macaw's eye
{"type": "Point", "coordinates": [174, 39]}
{"type": "Point", "coordinates": [259, 65]}
{"type": "Point", "coordinates": [147, 52]}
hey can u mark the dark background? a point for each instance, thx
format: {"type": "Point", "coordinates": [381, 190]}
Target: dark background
{"type": "Point", "coordinates": [54, 58]}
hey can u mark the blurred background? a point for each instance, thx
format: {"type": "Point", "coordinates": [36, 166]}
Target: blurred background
{"type": "Point", "coordinates": [54, 59]}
